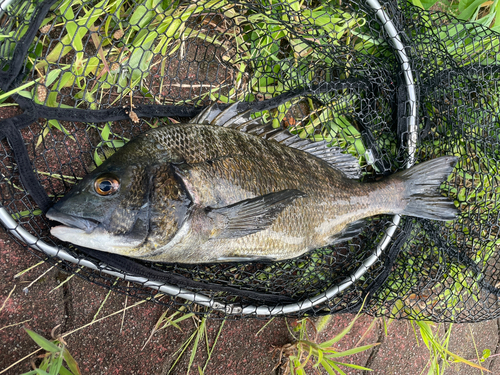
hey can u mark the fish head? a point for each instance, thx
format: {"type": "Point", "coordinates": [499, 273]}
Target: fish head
{"type": "Point", "coordinates": [109, 210]}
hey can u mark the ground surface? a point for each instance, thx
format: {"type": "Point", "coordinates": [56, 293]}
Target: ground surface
{"type": "Point", "coordinates": [244, 346]}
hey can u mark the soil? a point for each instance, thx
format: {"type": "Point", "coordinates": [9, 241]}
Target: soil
{"type": "Point", "coordinates": [248, 346]}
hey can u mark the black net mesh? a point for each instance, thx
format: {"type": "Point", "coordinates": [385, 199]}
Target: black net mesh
{"type": "Point", "coordinates": [91, 75]}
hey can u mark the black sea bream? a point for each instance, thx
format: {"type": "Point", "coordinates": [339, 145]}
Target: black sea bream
{"type": "Point", "coordinates": [226, 188]}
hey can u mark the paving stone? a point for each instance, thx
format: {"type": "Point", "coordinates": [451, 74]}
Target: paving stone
{"type": "Point", "coordinates": [466, 337]}
{"type": "Point", "coordinates": [401, 352]}
{"type": "Point", "coordinates": [244, 346]}
{"type": "Point", "coordinates": [39, 305]}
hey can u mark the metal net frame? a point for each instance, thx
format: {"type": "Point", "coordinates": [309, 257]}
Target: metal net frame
{"type": "Point", "coordinates": [390, 83]}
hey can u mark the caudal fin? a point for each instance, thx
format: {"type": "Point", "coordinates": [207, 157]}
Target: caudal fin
{"type": "Point", "coordinates": [422, 191]}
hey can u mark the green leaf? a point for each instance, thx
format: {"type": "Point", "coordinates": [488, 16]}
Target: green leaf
{"type": "Point", "coordinates": [51, 77]}
{"type": "Point", "coordinates": [106, 130]}
{"type": "Point", "coordinates": [355, 366]}
{"type": "Point", "coordinates": [486, 353]}
{"type": "Point", "coordinates": [417, 3]}
{"type": "Point", "coordinates": [426, 4]}
{"type": "Point", "coordinates": [468, 12]}
{"type": "Point", "coordinates": [340, 335]}
{"type": "Point", "coordinates": [70, 361]}
{"type": "Point", "coordinates": [26, 213]}
{"type": "Point", "coordinates": [327, 367]}
{"type": "Point", "coordinates": [55, 124]}
{"type": "Point", "coordinates": [63, 82]}
{"type": "Point", "coordinates": [486, 20]}
{"type": "Point", "coordinates": [463, 360]}
{"type": "Point", "coordinates": [98, 161]}
{"type": "Point", "coordinates": [64, 371]}
{"type": "Point", "coordinates": [141, 17]}
{"type": "Point", "coordinates": [320, 358]}
{"type": "Point", "coordinates": [463, 4]}
{"type": "Point", "coordinates": [199, 335]}
{"type": "Point", "coordinates": [497, 19]}
{"type": "Point", "coordinates": [19, 90]}
{"type": "Point", "coordinates": [337, 368]}
{"type": "Point", "coordinates": [183, 317]}
{"type": "Point", "coordinates": [353, 351]}
{"type": "Point", "coordinates": [43, 342]}
{"type": "Point", "coordinates": [56, 365]}
{"type": "Point", "coordinates": [117, 143]}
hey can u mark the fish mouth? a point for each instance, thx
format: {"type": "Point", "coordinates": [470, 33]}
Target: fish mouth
{"type": "Point", "coordinates": [87, 225]}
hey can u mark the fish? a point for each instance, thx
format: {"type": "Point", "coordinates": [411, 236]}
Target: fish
{"type": "Point", "coordinates": [227, 187]}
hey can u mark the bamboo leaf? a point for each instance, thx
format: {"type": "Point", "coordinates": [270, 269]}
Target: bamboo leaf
{"type": "Point", "coordinates": [56, 365]}
{"type": "Point", "coordinates": [43, 342]}
{"type": "Point", "coordinates": [64, 371]}
{"type": "Point", "coordinates": [353, 350]}
{"type": "Point", "coordinates": [355, 366]}
{"type": "Point", "coordinates": [463, 360]}
{"type": "Point", "coordinates": [70, 361]}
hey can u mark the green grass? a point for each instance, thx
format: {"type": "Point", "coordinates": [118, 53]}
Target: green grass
{"type": "Point", "coordinates": [474, 185]}
{"type": "Point", "coordinates": [120, 56]}
{"type": "Point", "coordinates": [56, 355]}
{"type": "Point", "coordinates": [157, 30]}
{"type": "Point", "coordinates": [306, 350]}
{"type": "Point", "coordinates": [126, 53]}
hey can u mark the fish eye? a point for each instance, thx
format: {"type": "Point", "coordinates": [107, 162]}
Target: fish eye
{"type": "Point", "coordinates": [106, 185]}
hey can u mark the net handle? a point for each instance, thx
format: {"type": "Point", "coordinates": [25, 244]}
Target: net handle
{"type": "Point", "coordinates": [199, 298]}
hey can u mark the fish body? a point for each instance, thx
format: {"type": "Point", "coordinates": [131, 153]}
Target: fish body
{"type": "Point", "coordinates": [198, 193]}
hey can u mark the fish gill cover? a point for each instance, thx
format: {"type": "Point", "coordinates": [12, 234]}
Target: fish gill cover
{"type": "Point", "coordinates": [390, 84]}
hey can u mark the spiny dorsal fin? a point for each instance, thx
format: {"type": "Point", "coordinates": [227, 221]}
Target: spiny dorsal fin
{"type": "Point", "coordinates": [230, 117]}
{"type": "Point", "coordinates": [334, 156]}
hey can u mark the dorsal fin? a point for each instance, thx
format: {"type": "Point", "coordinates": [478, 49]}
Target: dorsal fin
{"type": "Point", "coordinates": [230, 117]}
{"type": "Point", "coordinates": [334, 156]}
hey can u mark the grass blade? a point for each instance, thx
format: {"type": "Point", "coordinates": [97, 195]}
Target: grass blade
{"type": "Point", "coordinates": [352, 351]}
{"type": "Point", "coordinates": [70, 361]}
{"type": "Point", "coordinates": [199, 335]}
{"type": "Point", "coordinates": [43, 342]}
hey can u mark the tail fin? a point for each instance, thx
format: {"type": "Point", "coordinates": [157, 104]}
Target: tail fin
{"type": "Point", "coordinates": [422, 193]}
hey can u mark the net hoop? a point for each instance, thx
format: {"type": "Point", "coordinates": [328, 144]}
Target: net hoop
{"type": "Point", "coordinates": [234, 309]}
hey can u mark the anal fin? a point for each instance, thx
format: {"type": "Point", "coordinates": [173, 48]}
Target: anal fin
{"type": "Point", "coordinates": [350, 231]}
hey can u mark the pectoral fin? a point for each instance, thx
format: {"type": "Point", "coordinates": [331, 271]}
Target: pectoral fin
{"type": "Point", "coordinates": [251, 215]}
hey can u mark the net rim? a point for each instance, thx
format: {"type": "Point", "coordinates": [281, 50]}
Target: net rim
{"type": "Point", "coordinates": [234, 309]}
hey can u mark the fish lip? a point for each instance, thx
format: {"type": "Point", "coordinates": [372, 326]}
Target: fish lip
{"type": "Point", "coordinates": [87, 225]}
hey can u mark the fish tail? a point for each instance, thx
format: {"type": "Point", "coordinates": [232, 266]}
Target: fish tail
{"type": "Point", "coordinates": [421, 189]}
